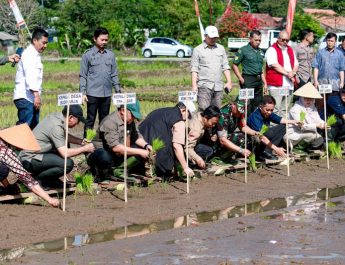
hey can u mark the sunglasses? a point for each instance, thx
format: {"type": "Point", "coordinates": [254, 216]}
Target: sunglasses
{"type": "Point", "coordinates": [284, 40]}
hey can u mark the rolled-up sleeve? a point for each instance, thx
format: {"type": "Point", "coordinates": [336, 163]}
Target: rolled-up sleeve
{"type": "Point", "coordinates": [194, 63]}
{"type": "Point", "coordinates": [225, 62]}
{"type": "Point", "coordinates": [316, 61]}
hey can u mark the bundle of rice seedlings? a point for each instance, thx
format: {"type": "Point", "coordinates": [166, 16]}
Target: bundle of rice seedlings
{"type": "Point", "coordinates": [302, 116]}
{"type": "Point", "coordinates": [335, 150]}
{"type": "Point", "coordinates": [88, 183]}
{"type": "Point", "coordinates": [79, 182]}
{"type": "Point", "coordinates": [84, 183]}
{"type": "Point", "coordinates": [157, 144]}
{"type": "Point", "coordinates": [263, 130]}
{"type": "Point", "coordinates": [90, 134]}
{"type": "Point", "coordinates": [331, 120]}
{"type": "Point", "coordinates": [252, 162]}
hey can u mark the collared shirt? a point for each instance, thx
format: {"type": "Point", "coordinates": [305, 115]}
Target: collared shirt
{"type": "Point", "coordinates": [209, 63]}
{"type": "Point", "coordinates": [272, 58]}
{"type": "Point", "coordinates": [305, 55]}
{"type": "Point", "coordinates": [196, 132]}
{"type": "Point", "coordinates": [228, 123]}
{"type": "Point", "coordinates": [251, 60]}
{"type": "Point", "coordinates": [98, 73]}
{"type": "Point", "coordinates": [329, 64]}
{"type": "Point", "coordinates": [50, 135]}
{"type": "Point", "coordinates": [29, 75]}
{"type": "Point", "coordinates": [256, 120]}
{"type": "Point", "coordinates": [111, 131]}
{"type": "Point", "coordinates": [340, 48]}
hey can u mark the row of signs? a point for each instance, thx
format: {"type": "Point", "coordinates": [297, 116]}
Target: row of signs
{"type": "Point", "coordinates": [130, 98]}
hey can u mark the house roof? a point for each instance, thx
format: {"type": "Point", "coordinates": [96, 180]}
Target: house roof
{"type": "Point", "coordinates": [6, 36]}
{"type": "Point", "coordinates": [266, 21]}
{"type": "Point", "coordinates": [327, 18]}
{"type": "Point", "coordinates": [314, 11]}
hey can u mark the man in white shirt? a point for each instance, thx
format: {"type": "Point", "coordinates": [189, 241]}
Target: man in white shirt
{"type": "Point", "coordinates": [281, 69]}
{"type": "Point", "coordinates": [28, 86]}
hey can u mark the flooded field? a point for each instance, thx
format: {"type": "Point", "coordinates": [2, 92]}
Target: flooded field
{"type": "Point", "coordinates": [304, 229]}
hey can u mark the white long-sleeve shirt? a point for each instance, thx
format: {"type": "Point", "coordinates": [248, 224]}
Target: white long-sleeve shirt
{"type": "Point", "coordinates": [29, 75]}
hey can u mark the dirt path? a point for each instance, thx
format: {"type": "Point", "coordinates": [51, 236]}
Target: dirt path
{"type": "Point", "coordinates": [24, 224]}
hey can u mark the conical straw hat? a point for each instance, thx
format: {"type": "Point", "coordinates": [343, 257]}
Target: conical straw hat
{"type": "Point", "coordinates": [308, 91]}
{"type": "Point", "coordinates": [20, 136]}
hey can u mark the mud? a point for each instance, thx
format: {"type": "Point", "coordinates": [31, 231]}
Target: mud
{"type": "Point", "coordinates": [24, 224]}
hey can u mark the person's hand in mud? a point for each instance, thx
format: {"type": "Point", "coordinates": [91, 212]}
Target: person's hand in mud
{"type": "Point", "coordinates": [280, 151]}
{"type": "Point", "coordinates": [54, 202]}
{"type": "Point", "coordinates": [201, 163]}
{"type": "Point", "coordinates": [143, 153]}
{"type": "Point", "coordinates": [188, 171]}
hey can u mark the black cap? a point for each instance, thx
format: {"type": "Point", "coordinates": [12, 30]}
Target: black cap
{"type": "Point", "coordinates": [342, 90]}
{"type": "Point", "coordinates": [76, 111]}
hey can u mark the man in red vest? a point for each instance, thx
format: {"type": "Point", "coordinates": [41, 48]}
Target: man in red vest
{"type": "Point", "coordinates": [281, 69]}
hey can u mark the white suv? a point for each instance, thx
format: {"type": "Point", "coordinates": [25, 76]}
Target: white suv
{"type": "Point", "coordinates": [165, 46]}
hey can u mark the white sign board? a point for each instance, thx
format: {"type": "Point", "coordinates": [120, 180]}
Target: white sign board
{"type": "Point", "coordinates": [187, 95]}
{"type": "Point", "coordinates": [120, 99]}
{"type": "Point", "coordinates": [284, 91]}
{"type": "Point", "coordinates": [325, 89]}
{"type": "Point", "coordinates": [73, 98]}
{"type": "Point", "coordinates": [247, 93]}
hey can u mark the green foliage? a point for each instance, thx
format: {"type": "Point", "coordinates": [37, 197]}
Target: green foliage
{"type": "Point", "coordinates": [84, 184]}
{"type": "Point", "coordinates": [263, 130]}
{"type": "Point", "coordinates": [304, 21]}
{"type": "Point", "coordinates": [252, 162]}
{"type": "Point", "coordinates": [157, 144]}
{"type": "Point", "coordinates": [331, 120]}
{"type": "Point", "coordinates": [90, 134]}
{"type": "Point", "coordinates": [335, 150]}
{"type": "Point", "coordinates": [116, 33]}
{"type": "Point", "coordinates": [302, 116]}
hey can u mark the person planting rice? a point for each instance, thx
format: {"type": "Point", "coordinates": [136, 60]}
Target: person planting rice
{"type": "Point", "coordinates": [20, 137]}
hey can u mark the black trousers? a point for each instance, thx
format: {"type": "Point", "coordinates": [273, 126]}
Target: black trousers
{"type": "Point", "coordinates": [253, 81]}
{"type": "Point", "coordinates": [275, 134]}
{"type": "Point", "coordinates": [100, 105]}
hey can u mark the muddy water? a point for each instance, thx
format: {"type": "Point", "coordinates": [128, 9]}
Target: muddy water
{"type": "Point", "coordinates": [222, 244]}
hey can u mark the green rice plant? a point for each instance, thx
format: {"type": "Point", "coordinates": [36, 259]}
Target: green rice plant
{"type": "Point", "coordinates": [88, 183]}
{"type": "Point", "coordinates": [84, 184]}
{"type": "Point", "coordinates": [302, 116]}
{"type": "Point", "coordinates": [263, 130]}
{"type": "Point", "coordinates": [90, 134]}
{"type": "Point", "coordinates": [335, 150]}
{"type": "Point", "coordinates": [252, 162]}
{"type": "Point", "coordinates": [157, 144]}
{"type": "Point", "coordinates": [331, 120]}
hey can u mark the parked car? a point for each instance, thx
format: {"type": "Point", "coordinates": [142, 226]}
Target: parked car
{"type": "Point", "coordinates": [165, 46]}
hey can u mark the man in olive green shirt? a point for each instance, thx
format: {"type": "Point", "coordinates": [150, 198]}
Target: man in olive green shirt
{"type": "Point", "coordinates": [251, 57]}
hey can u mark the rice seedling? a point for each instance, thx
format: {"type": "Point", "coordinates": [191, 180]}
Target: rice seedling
{"type": "Point", "coordinates": [263, 130]}
{"type": "Point", "coordinates": [335, 150]}
{"type": "Point", "coordinates": [90, 134]}
{"type": "Point", "coordinates": [302, 116]}
{"type": "Point", "coordinates": [331, 120]}
{"type": "Point", "coordinates": [252, 162]}
{"type": "Point", "coordinates": [84, 184]}
{"type": "Point", "coordinates": [157, 144]}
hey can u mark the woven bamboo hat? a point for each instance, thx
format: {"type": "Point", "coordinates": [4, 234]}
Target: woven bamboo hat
{"type": "Point", "coordinates": [21, 137]}
{"type": "Point", "coordinates": [308, 91]}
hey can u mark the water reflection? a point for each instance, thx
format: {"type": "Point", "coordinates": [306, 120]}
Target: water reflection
{"type": "Point", "coordinates": [312, 210]}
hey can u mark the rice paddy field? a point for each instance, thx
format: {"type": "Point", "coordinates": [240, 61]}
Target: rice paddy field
{"type": "Point", "coordinates": [155, 82]}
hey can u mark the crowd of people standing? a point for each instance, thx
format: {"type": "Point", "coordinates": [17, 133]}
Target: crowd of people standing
{"type": "Point", "coordinates": [213, 130]}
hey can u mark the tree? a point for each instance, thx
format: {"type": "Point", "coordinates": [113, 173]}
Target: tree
{"type": "Point", "coordinates": [235, 23]}
{"type": "Point", "coordinates": [30, 12]}
{"type": "Point", "coordinates": [303, 21]}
